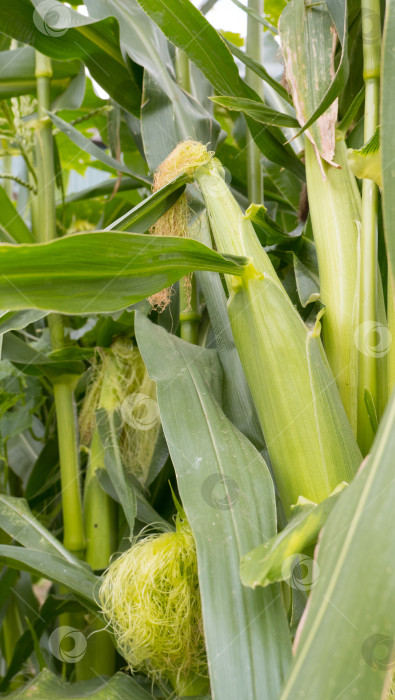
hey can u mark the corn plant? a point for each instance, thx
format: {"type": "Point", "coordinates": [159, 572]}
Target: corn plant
{"type": "Point", "coordinates": [197, 415]}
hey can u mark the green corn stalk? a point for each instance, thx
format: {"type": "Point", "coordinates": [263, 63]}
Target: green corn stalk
{"type": "Point", "coordinates": [335, 209]}
{"type": "Point", "coordinates": [309, 438]}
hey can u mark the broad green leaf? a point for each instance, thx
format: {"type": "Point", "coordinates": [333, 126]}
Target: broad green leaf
{"type": "Point", "coordinates": [308, 40]}
{"type": "Point", "coordinates": [86, 145]}
{"type": "Point", "coordinates": [12, 227]}
{"type": "Point", "coordinates": [145, 214]}
{"type": "Point", "coordinates": [63, 34]}
{"type": "Point", "coordinates": [352, 605]}
{"type": "Point", "coordinates": [16, 320]}
{"type": "Point", "coordinates": [30, 361]}
{"type": "Point", "coordinates": [387, 131]}
{"type": "Point", "coordinates": [257, 110]}
{"type": "Point", "coordinates": [186, 27]}
{"type": "Point", "coordinates": [228, 496]}
{"type": "Point", "coordinates": [102, 271]}
{"type": "Point", "coordinates": [48, 686]}
{"type": "Point", "coordinates": [77, 579]}
{"type": "Point", "coordinates": [108, 425]}
{"type": "Point", "coordinates": [19, 522]}
{"type": "Point", "coordinates": [274, 560]}
{"type": "Point", "coordinates": [169, 114]}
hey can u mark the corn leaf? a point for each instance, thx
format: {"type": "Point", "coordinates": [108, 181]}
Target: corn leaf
{"type": "Point", "coordinates": [257, 110]}
{"type": "Point", "coordinates": [228, 496]}
{"type": "Point", "coordinates": [48, 686]}
{"type": "Point", "coordinates": [186, 27]}
{"type": "Point", "coordinates": [89, 147]}
{"type": "Point", "coordinates": [108, 425]}
{"type": "Point", "coordinates": [102, 271]}
{"type": "Point", "coordinates": [73, 36]}
{"type": "Point", "coordinates": [145, 214]}
{"type": "Point", "coordinates": [12, 226]}
{"type": "Point", "coordinates": [16, 320]}
{"type": "Point", "coordinates": [103, 188]}
{"type": "Point", "coordinates": [354, 598]}
{"type": "Point", "coordinates": [272, 561]}
{"type": "Point", "coordinates": [259, 70]}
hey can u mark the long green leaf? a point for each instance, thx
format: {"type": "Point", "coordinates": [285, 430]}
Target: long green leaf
{"type": "Point", "coordinates": [103, 188]}
{"type": "Point", "coordinates": [48, 686]}
{"type": "Point", "coordinates": [108, 425]}
{"type": "Point", "coordinates": [257, 110]}
{"type": "Point", "coordinates": [186, 27]}
{"type": "Point", "coordinates": [102, 271]}
{"type": "Point", "coordinates": [72, 35]}
{"type": "Point", "coordinates": [12, 226]}
{"type": "Point", "coordinates": [350, 620]}
{"type": "Point", "coordinates": [228, 496]}
{"type": "Point", "coordinates": [145, 214]}
{"type": "Point", "coordinates": [86, 145]}
{"type": "Point", "coordinates": [259, 70]}
{"type": "Point", "coordinates": [77, 579]}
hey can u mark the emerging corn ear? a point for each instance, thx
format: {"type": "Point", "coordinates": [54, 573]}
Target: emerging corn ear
{"type": "Point", "coordinates": [335, 209]}
{"type": "Point", "coordinates": [150, 596]}
{"type": "Point", "coordinates": [308, 436]}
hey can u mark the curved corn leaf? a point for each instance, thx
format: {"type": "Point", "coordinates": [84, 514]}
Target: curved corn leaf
{"type": "Point", "coordinates": [228, 496]}
{"type": "Point", "coordinates": [354, 597]}
{"type": "Point", "coordinates": [80, 581]}
{"type": "Point", "coordinates": [86, 145]}
{"type": "Point", "coordinates": [273, 560]}
{"type": "Point", "coordinates": [16, 320]}
{"type": "Point", "coordinates": [12, 226]}
{"type": "Point", "coordinates": [145, 214]}
{"type": "Point", "coordinates": [72, 35]}
{"type": "Point", "coordinates": [102, 271]}
{"type": "Point", "coordinates": [186, 27]}
{"type": "Point", "coordinates": [48, 686]}
{"type": "Point", "coordinates": [257, 110]}
{"type": "Point", "coordinates": [259, 70]}
{"type": "Point", "coordinates": [103, 188]}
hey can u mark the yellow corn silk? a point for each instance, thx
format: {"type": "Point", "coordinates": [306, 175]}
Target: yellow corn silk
{"type": "Point", "coordinates": [120, 381]}
{"type": "Point", "coordinates": [150, 597]}
{"type": "Point", "coordinates": [309, 438]}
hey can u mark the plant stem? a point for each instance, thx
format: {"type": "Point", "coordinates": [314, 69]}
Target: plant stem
{"type": "Point", "coordinates": [189, 303]}
{"type": "Point", "coordinates": [367, 369]}
{"type": "Point", "coordinates": [254, 49]}
{"type": "Point", "coordinates": [391, 327]}
{"type": "Point", "coordinates": [73, 531]}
